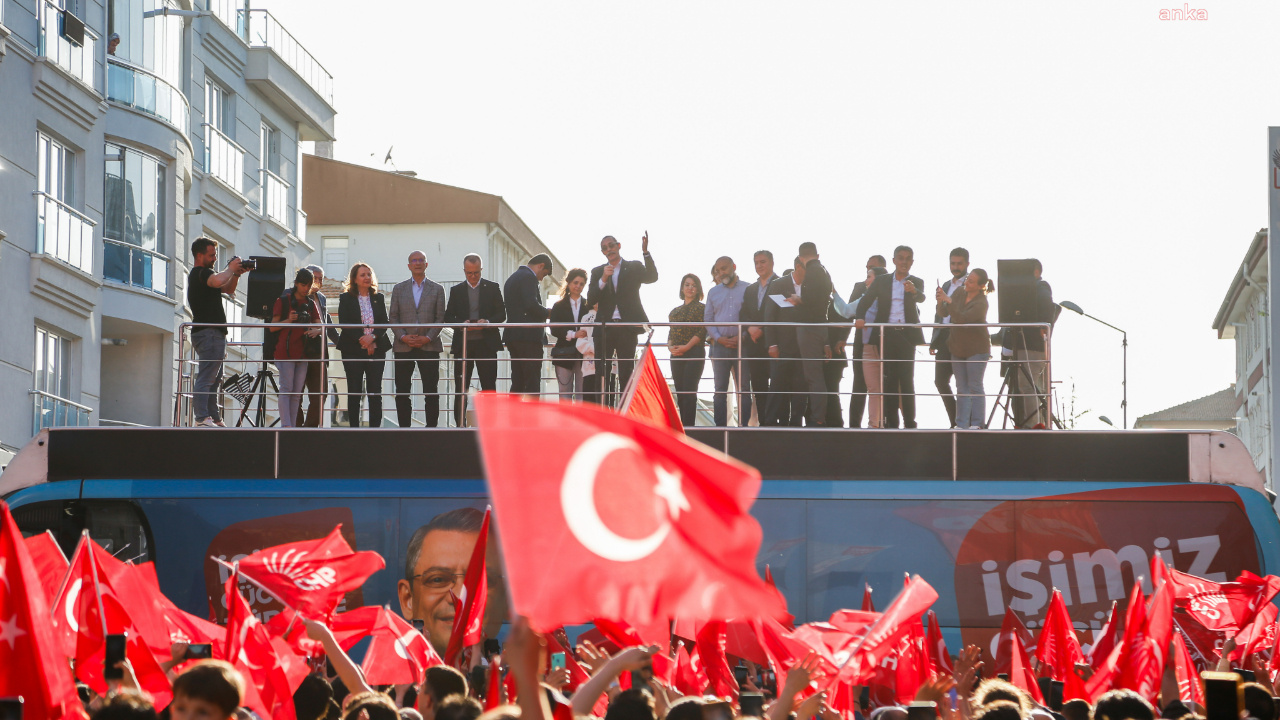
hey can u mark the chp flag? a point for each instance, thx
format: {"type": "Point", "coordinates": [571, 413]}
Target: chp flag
{"type": "Point", "coordinates": [602, 516]}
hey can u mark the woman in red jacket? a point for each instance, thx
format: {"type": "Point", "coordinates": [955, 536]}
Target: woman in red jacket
{"type": "Point", "coordinates": [296, 307]}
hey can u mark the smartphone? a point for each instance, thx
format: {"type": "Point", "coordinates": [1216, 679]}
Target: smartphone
{"type": "Point", "coordinates": [1247, 675]}
{"type": "Point", "coordinates": [752, 704]}
{"type": "Point", "coordinates": [557, 661]}
{"type": "Point", "coordinates": [115, 653]}
{"type": "Point", "coordinates": [199, 652]}
{"type": "Point", "coordinates": [740, 675]}
{"type": "Point", "coordinates": [717, 711]}
{"type": "Point", "coordinates": [419, 624]}
{"type": "Point", "coordinates": [1223, 696]}
{"type": "Point", "coordinates": [1052, 691]}
{"type": "Point", "coordinates": [922, 710]}
{"type": "Point", "coordinates": [492, 647]}
{"type": "Point", "coordinates": [11, 708]}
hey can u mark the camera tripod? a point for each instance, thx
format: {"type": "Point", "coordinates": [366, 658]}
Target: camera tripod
{"type": "Point", "coordinates": [246, 390]}
{"type": "Point", "coordinates": [1004, 397]}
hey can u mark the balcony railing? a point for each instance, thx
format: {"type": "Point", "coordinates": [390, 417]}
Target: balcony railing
{"type": "Point", "coordinates": [135, 266]}
{"type": "Point", "coordinates": [266, 31]}
{"type": "Point", "coordinates": [223, 158]}
{"type": "Point", "coordinates": [300, 228]}
{"type": "Point", "coordinates": [48, 411]}
{"type": "Point", "coordinates": [146, 92]}
{"type": "Point", "coordinates": [79, 60]}
{"type": "Point", "coordinates": [63, 232]}
{"type": "Point", "coordinates": [232, 13]}
{"type": "Point", "coordinates": [275, 198]}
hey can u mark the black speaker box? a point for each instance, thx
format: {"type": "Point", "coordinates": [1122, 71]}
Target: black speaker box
{"type": "Point", "coordinates": [266, 283]}
{"type": "Point", "coordinates": [1016, 281]}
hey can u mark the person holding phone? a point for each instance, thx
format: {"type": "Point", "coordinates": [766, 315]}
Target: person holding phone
{"type": "Point", "coordinates": [364, 349]}
{"type": "Point", "coordinates": [970, 347]}
{"type": "Point", "coordinates": [290, 350]}
{"type": "Point", "coordinates": [898, 297]}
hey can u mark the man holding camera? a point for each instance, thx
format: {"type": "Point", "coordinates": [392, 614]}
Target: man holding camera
{"type": "Point", "coordinates": [205, 289]}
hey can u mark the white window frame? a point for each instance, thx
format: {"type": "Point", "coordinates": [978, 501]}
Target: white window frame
{"type": "Point", "coordinates": [335, 253]}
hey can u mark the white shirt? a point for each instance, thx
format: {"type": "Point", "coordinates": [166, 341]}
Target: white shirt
{"type": "Point", "coordinates": [617, 270]}
{"type": "Point", "coordinates": [950, 288]}
{"type": "Point", "coordinates": [574, 305]}
{"type": "Point", "coordinates": [897, 308]}
{"type": "Point", "coordinates": [417, 290]}
{"type": "Point", "coordinates": [797, 285]}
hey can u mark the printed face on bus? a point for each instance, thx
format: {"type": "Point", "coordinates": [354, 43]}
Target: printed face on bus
{"type": "Point", "coordinates": [442, 565]}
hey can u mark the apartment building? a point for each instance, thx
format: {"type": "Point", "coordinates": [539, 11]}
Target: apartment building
{"type": "Point", "coordinates": [1243, 317]}
{"type": "Point", "coordinates": [127, 129]}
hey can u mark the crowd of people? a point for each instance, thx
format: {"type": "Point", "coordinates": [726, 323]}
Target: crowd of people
{"type": "Point", "coordinates": [786, 374]}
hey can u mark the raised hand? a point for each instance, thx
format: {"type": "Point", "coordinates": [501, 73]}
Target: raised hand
{"type": "Point", "coordinates": [591, 656]}
{"type": "Point", "coordinates": [644, 242]}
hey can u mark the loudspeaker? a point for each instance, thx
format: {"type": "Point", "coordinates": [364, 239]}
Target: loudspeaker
{"type": "Point", "coordinates": [266, 283]}
{"type": "Point", "coordinates": [1016, 280]}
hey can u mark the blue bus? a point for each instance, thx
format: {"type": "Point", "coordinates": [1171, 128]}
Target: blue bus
{"type": "Point", "coordinates": [990, 519]}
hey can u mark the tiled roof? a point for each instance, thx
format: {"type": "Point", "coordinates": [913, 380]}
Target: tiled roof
{"type": "Point", "coordinates": [1218, 406]}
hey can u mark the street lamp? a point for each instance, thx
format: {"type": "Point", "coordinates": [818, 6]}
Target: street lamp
{"type": "Point", "coordinates": [1124, 344]}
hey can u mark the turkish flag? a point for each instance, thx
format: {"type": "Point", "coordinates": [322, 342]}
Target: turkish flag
{"type": "Point", "coordinates": [398, 654]}
{"type": "Point", "coordinates": [937, 646]}
{"type": "Point", "coordinates": [624, 635]}
{"type": "Point", "coordinates": [690, 678]}
{"type": "Point", "coordinates": [311, 576]}
{"type": "Point", "coordinates": [30, 653]}
{"type": "Point", "coordinates": [51, 565]}
{"type": "Point", "coordinates": [1010, 628]}
{"type": "Point", "coordinates": [468, 611]}
{"type": "Point", "coordinates": [602, 516]}
{"type": "Point", "coordinates": [250, 650]}
{"type": "Point", "coordinates": [648, 397]}
{"type": "Point", "coordinates": [1058, 648]}
{"type": "Point", "coordinates": [1190, 687]}
{"type": "Point", "coordinates": [711, 647]}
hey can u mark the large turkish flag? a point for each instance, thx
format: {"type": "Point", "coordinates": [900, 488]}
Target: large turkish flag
{"type": "Point", "coordinates": [601, 516]}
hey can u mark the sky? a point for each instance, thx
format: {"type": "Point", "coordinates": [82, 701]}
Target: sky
{"type": "Point", "coordinates": [1126, 152]}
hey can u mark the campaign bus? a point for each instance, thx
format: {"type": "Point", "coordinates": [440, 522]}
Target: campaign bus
{"type": "Point", "coordinates": [990, 519]}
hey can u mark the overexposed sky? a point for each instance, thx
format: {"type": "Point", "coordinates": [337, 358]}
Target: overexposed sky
{"type": "Point", "coordinates": [1127, 153]}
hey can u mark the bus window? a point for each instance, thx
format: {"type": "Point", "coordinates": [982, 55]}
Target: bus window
{"type": "Point", "coordinates": [60, 517]}
{"type": "Point", "coordinates": [119, 528]}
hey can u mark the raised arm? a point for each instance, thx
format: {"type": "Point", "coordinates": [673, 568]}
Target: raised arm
{"type": "Point", "coordinates": [342, 664]}
{"type": "Point", "coordinates": [632, 658]}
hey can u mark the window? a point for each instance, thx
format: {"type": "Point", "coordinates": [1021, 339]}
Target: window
{"type": "Point", "coordinates": [55, 169]}
{"type": "Point", "coordinates": [334, 252]}
{"type": "Point", "coordinates": [217, 107]}
{"type": "Point", "coordinates": [61, 231]}
{"type": "Point", "coordinates": [269, 152]}
{"type": "Point", "coordinates": [52, 380]}
{"type": "Point", "coordinates": [133, 220]}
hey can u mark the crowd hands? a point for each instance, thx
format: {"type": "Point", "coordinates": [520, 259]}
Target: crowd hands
{"type": "Point", "coordinates": [790, 375]}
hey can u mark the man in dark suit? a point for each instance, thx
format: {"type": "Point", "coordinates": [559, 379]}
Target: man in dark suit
{"type": "Point", "coordinates": [756, 369]}
{"type": "Point", "coordinates": [786, 395]}
{"type": "Point", "coordinates": [476, 302]}
{"type": "Point", "coordinates": [814, 301]}
{"type": "Point", "coordinates": [417, 300]}
{"type": "Point", "coordinates": [1029, 378]}
{"type": "Point", "coordinates": [858, 398]}
{"type": "Point", "coordinates": [899, 294]}
{"type": "Point", "coordinates": [615, 286]}
{"type": "Point", "coordinates": [942, 371]}
{"type": "Point", "coordinates": [525, 305]}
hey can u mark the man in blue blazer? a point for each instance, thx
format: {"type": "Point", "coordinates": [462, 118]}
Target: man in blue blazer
{"type": "Point", "coordinates": [899, 294]}
{"type": "Point", "coordinates": [475, 303]}
{"type": "Point", "coordinates": [525, 305]}
{"type": "Point", "coordinates": [615, 286]}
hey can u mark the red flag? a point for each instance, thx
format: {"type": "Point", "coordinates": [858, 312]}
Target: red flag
{"type": "Point", "coordinates": [1104, 640]}
{"type": "Point", "coordinates": [711, 647]}
{"type": "Point", "coordinates": [937, 646]}
{"type": "Point", "coordinates": [1258, 637]}
{"type": "Point", "coordinates": [1142, 663]}
{"type": "Point", "coordinates": [468, 617]}
{"type": "Point", "coordinates": [664, 532]}
{"type": "Point", "coordinates": [648, 397]}
{"type": "Point", "coordinates": [772, 637]}
{"type": "Point", "coordinates": [1058, 648]}
{"type": "Point", "coordinates": [250, 650]}
{"type": "Point", "coordinates": [787, 618]}
{"type": "Point", "coordinates": [913, 667]}
{"type": "Point", "coordinates": [1250, 595]}
{"type": "Point", "coordinates": [624, 635]}
{"type": "Point", "coordinates": [30, 652]}
{"type": "Point", "coordinates": [690, 678]}
{"type": "Point", "coordinates": [1020, 672]}
{"type": "Point", "coordinates": [51, 565]}
{"type": "Point", "coordinates": [398, 654]}
{"type": "Point", "coordinates": [883, 636]}
{"type": "Point", "coordinates": [311, 576]}
{"type": "Point", "coordinates": [1010, 629]}
{"type": "Point", "coordinates": [1118, 664]}
{"type": "Point", "coordinates": [1190, 688]}
{"type": "Point", "coordinates": [867, 605]}
{"type": "Point", "coordinates": [493, 693]}
{"type": "Point", "coordinates": [577, 675]}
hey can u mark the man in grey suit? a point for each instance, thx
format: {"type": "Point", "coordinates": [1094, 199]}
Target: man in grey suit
{"type": "Point", "coordinates": [417, 300]}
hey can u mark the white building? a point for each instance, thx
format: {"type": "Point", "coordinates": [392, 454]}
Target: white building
{"type": "Point", "coordinates": [1243, 317]}
{"type": "Point", "coordinates": [114, 156]}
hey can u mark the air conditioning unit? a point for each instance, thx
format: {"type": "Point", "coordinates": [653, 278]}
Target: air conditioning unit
{"type": "Point", "coordinates": [72, 28]}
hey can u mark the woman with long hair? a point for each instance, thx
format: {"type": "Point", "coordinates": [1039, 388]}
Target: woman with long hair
{"type": "Point", "coordinates": [296, 307]}
{"type": "Point", "coordinates": [364, 349]}
{"type": "Point", "coordinates": [570, 308]}
{"type": "Point", "coordinates": [688, 347]}
{"type": "Point", "coordinates": [970, 346]}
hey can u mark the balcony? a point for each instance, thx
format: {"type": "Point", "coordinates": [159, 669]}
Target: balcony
{"type": "Point", "coordinates": [135, 266]}
{"type": "Point", "coordinates": [78, 60]}
{"type": "Point", "coordinates": [63, 232]}
{"type": "Point", "coordinates": [48, 411]}
{"type": "Point", "coordinates": [275, 198]}
{"type": "Point", "coordinates": [281, 68]}
{"type": "Point", "coordinates": [146, 92]}
{"type": "Point", "coordinates": [233, 14]}
{"type": "Point", "coordinates": [223, 158]}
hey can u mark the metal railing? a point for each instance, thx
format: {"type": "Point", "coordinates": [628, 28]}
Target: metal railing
{"type": "Point", "coordinates": [79, 60]}
{"type": "Point", "coordinates": [223, 158]}
{"type": "Point", "coordinates": [233, 14]}
{"type": "Point", "coordinates": [49, 410]}
{"type": "Point", "coordinates": [64, 232]}
{"type": "Point", "coordinates": [275, 197]}
{"type": "Point", "coordinates": [136, 266]}
{"type": "Point", "coordinates": [1030, 392]}
{"type": "Point", "coordinates": [143, 90]}
{"type": "Point", "coordinates": [263, 30]}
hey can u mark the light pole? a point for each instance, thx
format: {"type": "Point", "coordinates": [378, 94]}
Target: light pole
{"type": "Point", "coordinates": [1124, 344]}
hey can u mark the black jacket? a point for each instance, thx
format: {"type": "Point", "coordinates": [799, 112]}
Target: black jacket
{"type": "Point", "coordinates": [524, 305]}
{"type": "Point", "coordinates": [491, 309]}
{"type": "Point", "coordinates": [1044, 311]}
{"type": "Point", "coordinates": [626, 299]}
{"type": "Point", "coordinates": [783, 337]}
{"type": "Point", "coordinates": [754, 312]}
{"type": "Point", "coordinates": [882, 290]}
{"type": "Point", "coordinates": [562, 312]}
{"type": "Point", "coordinates": [349, 338]}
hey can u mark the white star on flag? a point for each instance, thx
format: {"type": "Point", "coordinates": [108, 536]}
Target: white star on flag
{"type": "Point", "coordinates": [10, 632]}
{"type": "Point", "coordinates": [670, 490]}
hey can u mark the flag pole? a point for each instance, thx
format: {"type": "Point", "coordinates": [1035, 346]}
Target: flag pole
{"type": "Point", "coordinates": [97, 588]}
{"type": "Point", "coordinates": [66, 578]}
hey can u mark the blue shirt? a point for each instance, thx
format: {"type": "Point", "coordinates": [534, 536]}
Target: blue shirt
{"type": "Point", "coordinates": [724, 304]}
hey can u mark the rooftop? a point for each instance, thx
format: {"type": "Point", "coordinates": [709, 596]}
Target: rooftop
{"type": "Point", "coordinates": [1218, 407]}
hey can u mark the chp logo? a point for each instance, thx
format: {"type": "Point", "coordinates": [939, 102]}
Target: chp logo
{"type": "Point", "coordinates": [1092, 547]}
{"type": "Point", "coordinates": [289, 564]}
{"type": "Point", "coordinates": [242, 539]}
